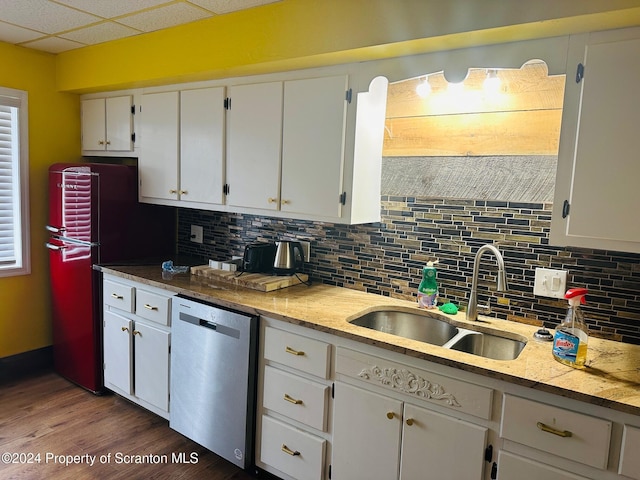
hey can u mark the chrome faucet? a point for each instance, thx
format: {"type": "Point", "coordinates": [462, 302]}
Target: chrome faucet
{"type": "Point", "coordinates": [472, 308]}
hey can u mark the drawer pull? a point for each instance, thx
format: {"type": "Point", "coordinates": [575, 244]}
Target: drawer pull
{"type": "Point", "coordinates": [116, 296]}
{"type": "Point", "coordinates": [293, 352]}
{"type": "Point", "coordinates": [410, 421]}
{"type": "Point", "coordinates": [149, 307]}
{"type": "Point", "coordinates": [548, 429]}
{"type": "Point", "coordinates": [290, 399]}
{"type": "Point", "coordinates": [288, 451]}
{"type": "Point", "coordinates": [390, 415]}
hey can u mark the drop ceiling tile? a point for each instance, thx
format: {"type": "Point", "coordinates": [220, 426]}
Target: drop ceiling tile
{"type": "Point", "coordinates": [12, 34]}
{"type": "Point", "coordinates": [226, 6]}
{"type": "Point", "coordinates": [53, 44]}
{"type": "Point", "coordinates": [164, 17]}
{"type": "Point", "coordinates": [112, 8]}
{"type": "Point", "coordinates": [102, 32]}
{"type": "Point", "coordinates": [43, 16]}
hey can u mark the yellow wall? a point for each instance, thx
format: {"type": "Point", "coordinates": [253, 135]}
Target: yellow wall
{"type": "Point", "coordinates": [294, 34]}
{"type": "Point", "coordinates": [54, 126]}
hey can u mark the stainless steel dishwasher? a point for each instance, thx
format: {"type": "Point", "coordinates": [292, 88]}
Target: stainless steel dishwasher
{"type": "Point", "coordinates": [213, 378]}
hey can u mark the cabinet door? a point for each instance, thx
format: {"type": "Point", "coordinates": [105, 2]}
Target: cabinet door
{"type": "Point", "coordinates": [93, 118]}
{"type": "Point", "coordinates": [151, 362]}
{"type": "Point", "coordinates": [313, 139]}
{"type": "Point", "coordinates": [366, 435]}
{"type": "Point", "coordinates": [432, 442]}
{"type": "Point", "coordinates": [119, 120]}
{"type": "Point", "coordinates": [158, 162]}
{"type": "Point", "coordinates": [596, 173]}
{"type": "Point", "coordinates": [118, 350]}
{"type": "Point", "coordinates": [254, 145]}
{"type": "Point", "coordinates": [201, 145]}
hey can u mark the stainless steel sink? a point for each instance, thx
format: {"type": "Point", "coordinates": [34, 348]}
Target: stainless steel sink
{"type": "Point", "coordinates": [487, 345]}
{"type": "Point", "coordinates": [408, 325]}
{"type": "Point", "coordinates": [425, 328]}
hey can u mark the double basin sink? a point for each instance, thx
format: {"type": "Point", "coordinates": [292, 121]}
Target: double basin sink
{"type": "Point", "coordinates": [427, 328]}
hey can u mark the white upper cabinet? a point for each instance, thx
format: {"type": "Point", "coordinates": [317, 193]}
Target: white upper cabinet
{"type": "Point", "coordinates": [182, 148]}
{"type": "Point", "coordinates": [159, 138]}
{"type": "Point", "coordinates": [596, 186]}
{"type": "Point", "coordinates": [313, 134]}
{"type": "Point", "coordinates": [107, 125]}
{"type": "Point", "coordinates": [202, 145]}
{"type": "Point", "coordinates": [254, 145]}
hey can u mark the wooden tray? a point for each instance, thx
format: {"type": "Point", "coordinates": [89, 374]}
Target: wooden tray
{"type": "Point", "coordinates": [255, 281]}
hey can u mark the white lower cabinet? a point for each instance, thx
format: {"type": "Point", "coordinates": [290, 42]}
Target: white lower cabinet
{"type": "Point", "coordinates": [629, 458]}
{"type": "Point", "coordinates": [136, 343]}
{"type": "Point", "coordinates": [378, 437]}
{"type": "Point", "coordinates": [293, 404]}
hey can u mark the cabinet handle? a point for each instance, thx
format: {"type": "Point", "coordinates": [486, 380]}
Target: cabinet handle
{"type": "Point", "coordinates": [173, 191]}
{"type": "Point", "coordinates": [116, 296]}
{"type": "Point", "coordinates": [149, 307]}
{"type": "Point", "coordinates": [100, 142]}
{"type": "Point", "coordinates": [285, 202]}
{"type": "Point", "coordinates": [410, 421]}
{"type": "Point", "coordinates": [290, 399]}
{"type": "Point", "coordinates": [390, 415]}
{"type": "Point", "coordinates": [548, 429]}
{"type": "Point", "coordinates": [183, 192]}
{"type": "Point", "coordinates": [125, 329]}
{"type": "Point", "coordinates": [272, 200]}
{"type": "Point", "coordinates": [136, 332]}
{"type": "Point", "coordinates": [288, 451]}
{"type": "Point", "coordinates": [293, 352]}
{"type": "Point", "coordinates": [108, 142]}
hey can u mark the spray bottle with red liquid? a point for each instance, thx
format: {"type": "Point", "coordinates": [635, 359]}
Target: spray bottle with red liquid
{"type": "Point", "coordinates": [571, 337]}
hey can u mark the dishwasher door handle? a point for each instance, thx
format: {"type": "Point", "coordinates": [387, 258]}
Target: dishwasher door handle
{"type": "Point", "coordinates": [216, 327]}
{"type": "Point", "coordinates": [208, 324]}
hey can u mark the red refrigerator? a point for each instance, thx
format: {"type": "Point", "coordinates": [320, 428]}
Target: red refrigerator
{"type": "Point", "coordinates": [94, 218]}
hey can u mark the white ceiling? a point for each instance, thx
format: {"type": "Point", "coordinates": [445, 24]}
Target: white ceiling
{"type": "Point", "coordinates": [59, 25]}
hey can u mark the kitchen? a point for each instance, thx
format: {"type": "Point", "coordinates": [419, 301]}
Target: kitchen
{"type": "Point", "coordinates": [92, 70]}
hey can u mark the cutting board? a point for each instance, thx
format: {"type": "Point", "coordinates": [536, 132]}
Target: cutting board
{"type": "Point", "coordinates": [255, 281]}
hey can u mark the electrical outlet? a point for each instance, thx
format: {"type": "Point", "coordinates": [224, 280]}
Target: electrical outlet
{"type": "Point", "coordinates": [197, 234]}
{"type": "Point", "coordinates": [550, 283]}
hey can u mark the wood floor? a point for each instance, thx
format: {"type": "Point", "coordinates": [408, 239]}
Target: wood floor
{"type": "Point", "coordinates": [44, 418]}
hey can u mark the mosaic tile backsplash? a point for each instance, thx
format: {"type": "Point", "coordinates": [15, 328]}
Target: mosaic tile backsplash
{"type": "Point", "coordinates": [387, 257]}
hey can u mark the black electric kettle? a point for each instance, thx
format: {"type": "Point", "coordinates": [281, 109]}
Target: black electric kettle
{"type": "Point", "coordinates": [289, 258]}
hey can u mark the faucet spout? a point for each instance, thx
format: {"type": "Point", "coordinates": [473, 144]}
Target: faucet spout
{"type": "Point", "coordinates": [472, 308]}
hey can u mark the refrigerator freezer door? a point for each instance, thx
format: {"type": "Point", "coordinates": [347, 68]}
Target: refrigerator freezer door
{"type": "Point", "coordinates": [73, 197]}
{"type": "Point", "coordinates": [77, 350]}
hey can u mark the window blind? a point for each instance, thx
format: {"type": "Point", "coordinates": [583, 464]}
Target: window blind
{"type": "Point", "coordinates": [10, 231]}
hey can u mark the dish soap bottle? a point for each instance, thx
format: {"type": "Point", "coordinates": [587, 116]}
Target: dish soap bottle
{"type": "Point", "coordinates": [570, 339]}
{"type": "Point", "coordinates": [428, 289]}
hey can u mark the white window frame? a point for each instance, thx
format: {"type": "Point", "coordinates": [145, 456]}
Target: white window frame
{"type": "Point", "coordinates": [20, 183]}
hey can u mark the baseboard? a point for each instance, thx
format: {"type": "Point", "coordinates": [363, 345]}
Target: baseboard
{"type": "Point", "coordinates": [27, 363]}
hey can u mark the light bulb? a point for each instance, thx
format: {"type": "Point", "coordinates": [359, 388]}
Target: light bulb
{"type": "Point", "coordinates": [424, 88]}
{"type": "Point", "coordinates": [492, 82]}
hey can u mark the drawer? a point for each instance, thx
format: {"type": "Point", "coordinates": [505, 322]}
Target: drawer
{"type": "Point", "coordinates": [118, 295]}
{"type": "Point", "coordinates": [302, 353]}
{"type": "Point", "coordinates": [152, 306]}
{"type": "Point", "coordinates": [576, 436]}
{"type": "Point", "coordinates": [629, 459]}
{"type": "Point", "coordinates": [296, 398]}
{"type": "Point", "coordinates": [292, 451]}
{"type": "Point", "coordinates": [514, 467]}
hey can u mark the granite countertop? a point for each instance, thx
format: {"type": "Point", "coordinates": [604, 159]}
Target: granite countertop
{"type": "Point", "coordinates": [610, 379]}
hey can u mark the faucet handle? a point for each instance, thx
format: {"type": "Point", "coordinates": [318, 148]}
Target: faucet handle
{"type": "Point", "coordinates": [485, 309]}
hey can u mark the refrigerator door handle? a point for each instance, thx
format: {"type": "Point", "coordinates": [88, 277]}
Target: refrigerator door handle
{"type": "Point", "coordinates": [51, 246]}
{"type": "Point", "coordinates": [55, 229]}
